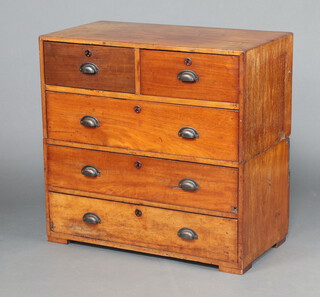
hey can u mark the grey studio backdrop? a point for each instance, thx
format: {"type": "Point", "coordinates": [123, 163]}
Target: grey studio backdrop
{"type": "Point", "coordinates": [30, 266]}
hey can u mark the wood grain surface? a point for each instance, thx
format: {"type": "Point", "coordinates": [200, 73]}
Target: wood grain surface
{"type": "Point", "coordinates": [265, 201]}
{"type": "Point", "coordinates": [266, 108]}
{"type": "Point", "coordinates": [155, 228]}
{"type": "Point", "coordinates": [240, 106]}
{"type": "Point", "coordinates": [139, 97]}
{"type": "Point", "coordinates": [116, 66]}
{"type": "Point", "coordinates": [232, 164]}
{"type": "Point", "coordinates": [193, 209]}
{"type": "Point", "coordinates": [218, 75]}
{"type": "Point", "coordinates": [168, 37]}
{"type": "Point", "coordinates": [154, 129]}
{"type": "Point", "coordinates": [157, 180]}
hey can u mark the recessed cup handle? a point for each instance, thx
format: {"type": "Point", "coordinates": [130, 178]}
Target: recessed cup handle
{"type": "Point", "coordinates": [188, 76]}
{"type": "Point", "coordinates": [188, 132]}
{"type": "Point", "coordinates": [89, 68]}
{"type": "Point", "coordinates": [188, 184]}
{"type": "Point", "coordinates": [91, 218]}
{"type": "Point", "coordinates": [90, 171]}
{"type": "Point", "coordinates": [187, 233]}
{"type": "Point", "coordinates": [90, 122]}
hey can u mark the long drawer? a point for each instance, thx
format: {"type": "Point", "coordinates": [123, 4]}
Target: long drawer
{"type": "Point", "coordinates": [167, 230]}
{"type": "Point", "coordinates": [156, 127]}
{"type": "Point", "coordinates": [149, 179]}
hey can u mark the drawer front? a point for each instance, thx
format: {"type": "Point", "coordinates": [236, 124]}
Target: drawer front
{"type": "Point", "coordinates": [217, 76]}
{"type": "Point", "coordinates": [144, 226]}
{"type": "Point", "coordinates": [149, 179]}
{"type": "Point", "coordinates": [144, 126]}
{"type": "Point", "coordinates": [109, 68]}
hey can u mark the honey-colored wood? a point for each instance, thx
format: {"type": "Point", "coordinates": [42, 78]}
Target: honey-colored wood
{"type": "Point", "coordinates": [241, 196]}
{"type": "Point", "coordinates": [218, 75]}
{"type": "Point", "coordinates": [265, 206]}
{"type": "Point", "coordinates": [166, 37]}
{"type": "Point", "coordinates": [58, 240]}
{"type": "Point", "coordinates": [137, 70]}
{"type": "Point", "coordinates": [142, 249]}
{"type": "Point", "coordinates": [154, 129]}
{"type": "Point", "coordinates": [116, 66]}
{"type": "Point", "coordinates": [183, 101]}
{"type": "Point", "coordinates": [131, 200]}
{"type": "Point", "coordinates": [45, 167]}
{"type": "Point", "coordinates": [155, 228]}
{"type": "Point", "coordinates": [233, 270]}
{"type": "Point", "coordinates": [280, 243]}
{"type": "Point", "coordinates": [241, 107]}
{"type": "Point", "coordinates": [267, 96]}
{"type": "Point", "coordinates": [43, 91]}
{"type": "Point", "coordinates": [157, 180]}
{"type": "Point", "coordinates": [44, 127]}
{"type": "Point", "coordinates": [143, 153]}
{"type": "Point", "coordinates": [288, 52]}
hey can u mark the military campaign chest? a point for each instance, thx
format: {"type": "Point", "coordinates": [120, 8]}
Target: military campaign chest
{"type": "Point", "coordinates": [168, 140]}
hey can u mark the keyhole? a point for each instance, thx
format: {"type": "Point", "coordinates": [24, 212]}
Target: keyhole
{"type": "Point", "coordinates": [138, 164]}
{"type": "Point", "coordinates": [138, 212]}
{"type": "Point", "coordinates": [188, 61]}
{"type": "Point", "coordinates": [87, 53]}
{"type": "Point", "coordinates": [137, 108]}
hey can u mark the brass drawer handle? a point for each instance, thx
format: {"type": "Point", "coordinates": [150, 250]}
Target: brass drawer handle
{"type": "Point", "coordinates": [91, 218]}
{"type": "Point", "coordinates": [188, 132]}
{"type": "Point", "coordinates": [89, 68]}
{"type": "Point", "coordinates": [188, 76]}
{"type": "Point", "coordinates": [90, 171]}
{"type": "Point", "coordinates": [188, 184]}
{"type": "Point", "coordinates": [187, 233]}
{"type": "Point", "coordinates": [89, 121]}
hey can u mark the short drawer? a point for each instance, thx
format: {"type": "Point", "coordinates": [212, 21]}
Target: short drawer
{"type": "Point", "coordinates": [89, 66]}
{"type": "Point", "coordinates": [190, 75]}
{"type": "Point", "coordinates": [149, 179]}
{"type": "Point", "coordinates": [145, 126]}
{"type": "Point", "coordinates": [167, 230]}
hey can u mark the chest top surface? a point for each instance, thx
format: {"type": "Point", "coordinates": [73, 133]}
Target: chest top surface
{"type": "Point", "coordinates": [170, 37]}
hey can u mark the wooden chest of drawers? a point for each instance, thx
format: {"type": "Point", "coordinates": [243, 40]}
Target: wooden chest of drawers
{"type": "Point", "coordinates": [168, 140]}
